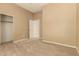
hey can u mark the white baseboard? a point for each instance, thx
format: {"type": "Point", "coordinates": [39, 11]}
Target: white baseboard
{"type": "Point", "coordinates": [34, 38]}
{"type": "Point", "coordinates": [19, 40]}
{"type": "Point", "coordinates": [60, 44]}
{"type": "Point", "coordinates": [77, 50]}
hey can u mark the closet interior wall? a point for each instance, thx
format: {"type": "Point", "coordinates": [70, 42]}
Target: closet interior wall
{"type": "Point", "coordinates": [6, 32]}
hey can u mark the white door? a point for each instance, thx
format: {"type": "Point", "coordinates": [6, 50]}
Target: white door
{"type": "Point", "coordinates": [34, 29]}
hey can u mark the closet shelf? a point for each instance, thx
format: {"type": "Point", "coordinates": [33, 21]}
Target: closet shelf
{"type": "Point", "coordinates": [7, 21]}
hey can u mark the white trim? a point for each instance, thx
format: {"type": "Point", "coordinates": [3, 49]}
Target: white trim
{"type": "Point", "coordinates": [35, 38]}
{"type": "Point", "coordinates": [60, 44]}
{"type": "Point", "coordinates": [77, 50]}
{"type": "Point", "coordinates": [19, 40]}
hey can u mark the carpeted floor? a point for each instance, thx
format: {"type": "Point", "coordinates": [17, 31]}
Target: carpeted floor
{"type": "Point", "coordinates": [35, 48]}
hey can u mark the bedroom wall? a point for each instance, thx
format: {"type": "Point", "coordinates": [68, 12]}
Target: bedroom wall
{"type": "Point", "coordinates": [59, 23]}
{"type": "Point", "coordinates": [78, 27]}
{"type": "Point", "coordinates": [37, 15]}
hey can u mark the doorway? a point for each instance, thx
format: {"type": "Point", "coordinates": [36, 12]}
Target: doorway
{"type": "Point", "coordinates": [34, 29]}
{"type": "Point", "coordinates": [6, 28]}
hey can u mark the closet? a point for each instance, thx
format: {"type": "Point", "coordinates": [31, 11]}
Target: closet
{"type": "Point", "coordinates": [6, 31]}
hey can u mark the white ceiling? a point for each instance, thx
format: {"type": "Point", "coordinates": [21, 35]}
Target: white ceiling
{"type": "Point", "coordinates": [33, 7]}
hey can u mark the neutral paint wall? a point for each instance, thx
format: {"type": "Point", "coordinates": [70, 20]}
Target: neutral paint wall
{"type": "Point", "coordinates": [59, 23]}
{"type": "Point", "coordinates": [37, 15]}
{"type": "Point", "coordinates": [20, 19]}
{"type": "Point", "coordinates": [78, 27]}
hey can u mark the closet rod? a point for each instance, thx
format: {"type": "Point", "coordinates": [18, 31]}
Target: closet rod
{"type": "Point", "coordinates": [6, 21]}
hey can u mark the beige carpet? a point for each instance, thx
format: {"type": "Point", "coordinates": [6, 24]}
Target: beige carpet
{"type": "Point", "coordinates": [35, 48]}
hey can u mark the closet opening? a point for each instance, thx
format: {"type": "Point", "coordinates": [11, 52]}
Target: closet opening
{"type": "Point", "coordinates": [6, 28]}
